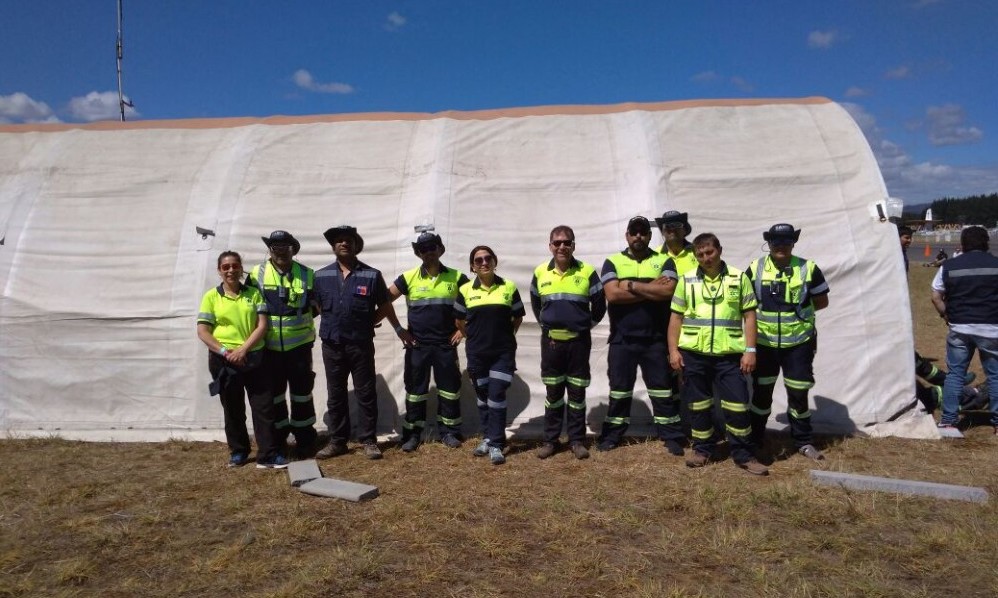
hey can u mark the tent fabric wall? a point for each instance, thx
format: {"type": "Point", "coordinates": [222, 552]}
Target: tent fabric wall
{"type": "Point", "coordinates": [102, 268]}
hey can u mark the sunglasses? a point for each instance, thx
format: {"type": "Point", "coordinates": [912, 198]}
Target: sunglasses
{"type": "Point", "coordinates": [674, 226]}
{"type": "Point", "coordinates": [482, 260]}
{"type": "Point", "coordinates": [563, 243]}
{"type": "Point", "coordinates": [634, 232]}
{"type": "Point", "coordinates": [227, 267]}
{"type": "Point", "coordinates": [427, 247]}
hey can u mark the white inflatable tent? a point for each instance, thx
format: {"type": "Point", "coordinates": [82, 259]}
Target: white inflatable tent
{"type": "Point", "coordinates": [102, 267]}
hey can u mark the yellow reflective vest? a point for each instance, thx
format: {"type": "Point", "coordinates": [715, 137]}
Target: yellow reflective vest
{"type": "Point", "coordinates": [685, 260]}
{"type": "Point", "coordinates": [712, 310]}
{"type": "Point", "coordinates": [786, 310]}
{"type": "Point", "coordinates": [288, 298]}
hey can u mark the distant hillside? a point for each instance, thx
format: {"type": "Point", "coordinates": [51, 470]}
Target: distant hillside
{"type": "Point", "coordinates": [976, 209]}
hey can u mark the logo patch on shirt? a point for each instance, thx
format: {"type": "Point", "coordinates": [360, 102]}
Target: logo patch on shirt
{"type": "Point", "coordinates": [361, 291]}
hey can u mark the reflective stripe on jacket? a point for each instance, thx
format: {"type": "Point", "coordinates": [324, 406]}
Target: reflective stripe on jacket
{"type": "Point", "coordinates": [786, 310]}
{"type": "Point", "coordinates": [567, 303]}
{"type": "Point", "coordinates": [288, 298]}
{"type": "Point", "coordinates": [712, 311]}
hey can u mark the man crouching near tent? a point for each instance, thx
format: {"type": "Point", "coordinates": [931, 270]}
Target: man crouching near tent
{"type": "Point", "coordinates": [711, 336]}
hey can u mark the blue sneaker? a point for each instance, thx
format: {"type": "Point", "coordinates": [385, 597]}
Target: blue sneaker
{"type": "Point", "coordinates": [275, 462]}
{"type": "Point", "coordinates": [238, 459]}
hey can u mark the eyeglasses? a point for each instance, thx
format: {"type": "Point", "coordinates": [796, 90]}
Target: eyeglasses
{"type": "Point", "coordinates": [427, 247]}
{"type": "Point", "coordinates": [482, 260]}
{"type": "Point", "coordinates": [562, 243]}
{"type": "Point", "coordinates": [227, 267]}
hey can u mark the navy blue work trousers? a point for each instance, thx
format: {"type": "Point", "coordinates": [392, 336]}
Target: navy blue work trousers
{"type": "Point", "coordinates": [356, 360]}
{"type": "Point", "coordinates": [492, 374]}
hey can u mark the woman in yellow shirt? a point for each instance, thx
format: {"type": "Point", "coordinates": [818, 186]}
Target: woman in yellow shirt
{"type": "Point", "coordinates": [232, 323]}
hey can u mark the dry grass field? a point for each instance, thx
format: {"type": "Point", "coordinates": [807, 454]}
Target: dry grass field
{"type": "Point", "coordinates": [79, 519]}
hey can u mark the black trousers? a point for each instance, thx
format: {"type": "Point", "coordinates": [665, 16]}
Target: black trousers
{"type": "Point", "coordinates": [565, 366]}
{"type": "Point", "coordinates": [702, 373]}
{"type": "Point", "coordinates": [927, 371]}
{"type": "Point", "coordinates": [798, 377]}
{"type": "Point", "coordinates": [292, 371]}
{"type": "Point", "coordinates": [254, 386]}
{"type": "Point", "coordinates": [420, 361]}
{"type": "Point", "coordinates": [354, 359]}
{"type": "Point", "coordinates": [623, 362]}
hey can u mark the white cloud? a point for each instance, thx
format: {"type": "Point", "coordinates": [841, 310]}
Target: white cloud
{"type": "Point", "coordinates": [922, 181]}
{"type": "Point", "coordinates": [856, 92]}
{"type": "Point", "coordinates": [101, 105]}
{"type": "Point", "coordinates": [742, 84]}
{"type": "Point", "coordinates": [822, 39]}
{"type": "Point", "coordinates": [19, 107]}
{"type": "Point", "coordinates": [708, 77]}
{"type": "Point", "coordinates": [304, 80]}
{"type": "Point", "coordinates": [901, 72]}
{"type": "Point", "coordinates": [947, 126]}
{"type": "Point", "coordinates": [395, 21]}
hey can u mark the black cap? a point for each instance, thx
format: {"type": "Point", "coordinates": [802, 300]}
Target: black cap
{"type": "Point", "coordinates": [283, 237]}
{"type": "Point", "coordinates": [674, 217]}
{"type": "Point", "coordinates": [781, 232]}
{"type": "Point", "coordinates": [638, 223]}
{"type": "Point", "coordinates": [332, 234]}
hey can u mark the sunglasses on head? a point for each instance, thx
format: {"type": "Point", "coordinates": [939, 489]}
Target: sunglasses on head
{"type": "Point", "coordinates": [482, 260]}
{"type": "Point", "coordinates": [562, 243]}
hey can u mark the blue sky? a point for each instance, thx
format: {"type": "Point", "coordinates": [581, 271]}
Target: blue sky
{"type": "Point", "coordinates": [919, 76]}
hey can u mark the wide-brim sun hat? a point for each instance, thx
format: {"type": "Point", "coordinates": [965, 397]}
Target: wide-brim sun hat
{"type": "Point", "coordinates": [335, 232]}
{"type": "Point", "coordinates": [673, 216]}
{"type": "Point", "coordinates": [781, 232]}
{"type": "Point", "coordinates": [282, 237]}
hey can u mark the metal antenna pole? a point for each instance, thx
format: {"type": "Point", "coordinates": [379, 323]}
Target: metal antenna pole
{"type": "Point", "coordinates": [118, 46]}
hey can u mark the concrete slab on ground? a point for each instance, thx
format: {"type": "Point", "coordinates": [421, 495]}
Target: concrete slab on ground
{"type": "Point", "coordinates": [911, 487]}
{"type": "Point", "coordinates": [339, 489]}
{"type": "Point", "coordinates": [301, 472]}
